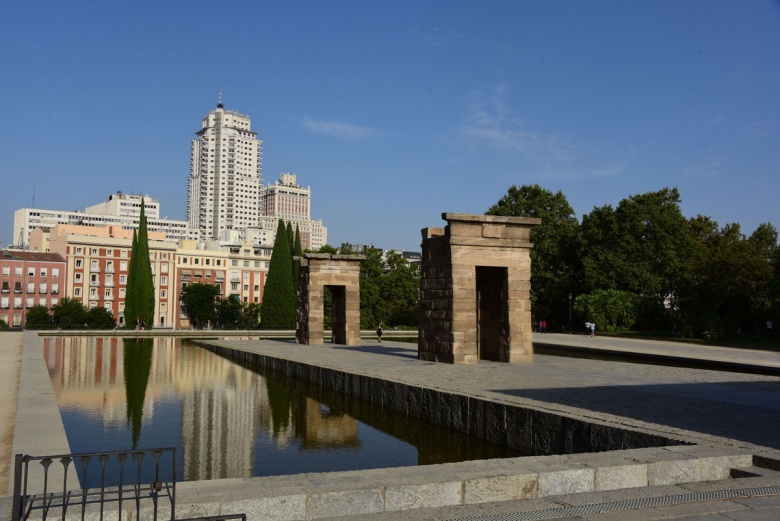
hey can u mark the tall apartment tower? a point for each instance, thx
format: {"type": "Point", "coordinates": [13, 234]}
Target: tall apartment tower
{"type": "Point", "coordinates": [225, 168]}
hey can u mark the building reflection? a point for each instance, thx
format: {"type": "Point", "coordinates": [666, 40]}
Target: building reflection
{"type": "Point", "coordinates": [224, 407]}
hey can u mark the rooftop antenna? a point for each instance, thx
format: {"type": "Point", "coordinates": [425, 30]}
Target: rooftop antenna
{"type": "Point", "coordinates": [33, 195]}
{"type": "Point", "coordinates": [219, 105]}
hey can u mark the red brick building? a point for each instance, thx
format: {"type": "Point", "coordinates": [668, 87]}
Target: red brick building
{"type": "Point", "coordinates": [28, 279]}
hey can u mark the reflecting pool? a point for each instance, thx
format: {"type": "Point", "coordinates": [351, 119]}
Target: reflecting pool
{"type": "Point", "coordinates": [228, 421]}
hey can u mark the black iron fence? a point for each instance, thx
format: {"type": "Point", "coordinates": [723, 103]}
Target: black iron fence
{"type": "Point", "coordinates": [136, 479]}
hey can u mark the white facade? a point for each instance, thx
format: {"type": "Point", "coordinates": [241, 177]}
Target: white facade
{"type": "Point", "coordinates": [287, 200]}
{"type": "Point", "coordinates": [109, 213]}
{"type": "Point", "coordinates": [126, 205]}
{"type": "Point", "coordinates": [225, 168]}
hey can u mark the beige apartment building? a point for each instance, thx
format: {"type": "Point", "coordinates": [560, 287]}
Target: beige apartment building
{"type": "Point", "coordinates": [237, 269]}
{"type": "Point", "coordinates": [97, 262]}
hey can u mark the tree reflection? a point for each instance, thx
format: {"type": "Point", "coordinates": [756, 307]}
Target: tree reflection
{"type": "Point", "coordinates": [137, 366]}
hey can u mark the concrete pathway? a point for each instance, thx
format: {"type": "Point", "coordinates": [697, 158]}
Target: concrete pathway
{"type": "Point", "coordinates": [735, 358]}
{"type": "Point", "coordinates": [10, 366]}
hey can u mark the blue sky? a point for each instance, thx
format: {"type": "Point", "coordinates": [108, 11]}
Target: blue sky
{"type": "Point", "coordinates": [394, 112]}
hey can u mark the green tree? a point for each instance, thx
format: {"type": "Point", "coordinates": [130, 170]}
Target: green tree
{"type": "Point", "coordinates": [400, 291]}
{"type": "Point", "coordinates": [3, 325]}
{"type": "Point", "coordinates": [38, 317]}
{"type": "Point", "coordinates": [250, 314]}
{"type": "Point", "coordinates": [297, 252]}
{"type": "Point", "coordinates": [615, 310]}
{"type": "Point", "coordinates": [199, 301]}
{"type": "Point", "coordinates": [279, 297]}
{"type": "Point", "coordinates": [731, 279]}
{"type": "Point", "coordinates": [555, 265]}
{"type": "Point", "coordinates": [327, 248]}
{"type": "Point", "coordinates": [69, 314]}
{"type": "Point", "coordinates": [228, 314]}
{"type": "Point", "coordinates": [100, 318]}
{"type": "Point", "coordinates": [139, 293]}
{"type": "Point", "coordinates": [643, 247]}
{"type": "Point", "coordinates": [373, 307]}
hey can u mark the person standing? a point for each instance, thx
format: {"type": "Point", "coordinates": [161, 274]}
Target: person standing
{"type": "Point", "coordinates": [379, 332]}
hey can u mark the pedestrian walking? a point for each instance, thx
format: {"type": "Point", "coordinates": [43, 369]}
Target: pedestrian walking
{"type": "Point", "coordinates": [379, 332]}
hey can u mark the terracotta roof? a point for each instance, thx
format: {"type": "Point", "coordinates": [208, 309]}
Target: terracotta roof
{"type": "Point", "coordinates": [31, 256]}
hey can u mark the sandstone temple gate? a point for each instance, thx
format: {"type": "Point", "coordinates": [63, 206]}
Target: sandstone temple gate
{"type": "Point", "coordinates": [341, 273]}
{"type": "Point", "coordinates": [475, 290]}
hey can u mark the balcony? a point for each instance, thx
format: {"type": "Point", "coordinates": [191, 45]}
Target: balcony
{"type": "Point", "coordinates": [108, 297]}
{"type": "Point", "coordinates": [109, 269]}
{"type": "Point", "coordinates": [94, 269]}
{"type": "Point", "coordinates": [94, 283]}
{"type": "Point", "coordinates": [109, 284]}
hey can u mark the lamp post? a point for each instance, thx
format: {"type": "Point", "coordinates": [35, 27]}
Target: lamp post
{"type": "Point", "coordinates": [570, 313]}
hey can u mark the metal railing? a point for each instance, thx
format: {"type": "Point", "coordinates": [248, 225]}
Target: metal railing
{"type": "Point", "coordinates": [108, 483]}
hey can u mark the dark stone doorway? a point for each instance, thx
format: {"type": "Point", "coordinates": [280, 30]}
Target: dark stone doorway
{"type": "Point", "coordinates": [492, 312]}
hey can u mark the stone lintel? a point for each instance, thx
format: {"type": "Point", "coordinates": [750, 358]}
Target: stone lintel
{"type": "Point", "coordinates": [330, 256]}
{"type": "Point", "coordinates": [474, 218]}
{"type": "Point", "coordinates": [429, 233]}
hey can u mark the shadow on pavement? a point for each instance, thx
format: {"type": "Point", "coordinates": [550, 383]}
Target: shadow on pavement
{"type": "Point", "coordinates": [745, 411]}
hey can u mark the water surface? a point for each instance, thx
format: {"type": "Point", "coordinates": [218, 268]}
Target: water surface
{"type": "Point", "coordinates": [228, 421]}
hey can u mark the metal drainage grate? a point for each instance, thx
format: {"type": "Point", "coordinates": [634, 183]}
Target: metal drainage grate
{"type": "Point", "coordinates": [627, 504]}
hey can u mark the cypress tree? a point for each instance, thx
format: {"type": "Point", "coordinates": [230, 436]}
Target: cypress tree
{"type": "Point", "coordinates": [290, 237]}
{"type": "Point", "coordinates": [297, 252]}
{"type": "Point", "coordinates": [279, 299]}
{"type": "Point", "coordinates": [139, 292]}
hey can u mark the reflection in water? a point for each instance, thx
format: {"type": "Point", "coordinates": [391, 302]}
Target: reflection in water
{"type": "Point", "coordinates": [137, 364]}
{"type": "Point", "coordinates": [229, 421]}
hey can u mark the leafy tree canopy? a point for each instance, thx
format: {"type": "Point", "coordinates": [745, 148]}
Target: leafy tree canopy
{"type": "Point", "coordinates": [69, 314]}
{"type": "Point", "coordinates": [38, 317]}
{"type": "Point", "coordinates": [199, 301]}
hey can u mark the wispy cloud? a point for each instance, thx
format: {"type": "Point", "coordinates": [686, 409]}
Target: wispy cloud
{"type": "Point", "coordinates": [710, 168]}
{"type": "Point", "coordinates": [444, 38]}
{"type": "Point", "coordinates": [340, 129]}
{"type": "Point", "coordinates": [490, 120]}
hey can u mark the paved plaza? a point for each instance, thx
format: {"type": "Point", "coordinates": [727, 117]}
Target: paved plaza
{"type": "Point", "coordinates": [721, 412]}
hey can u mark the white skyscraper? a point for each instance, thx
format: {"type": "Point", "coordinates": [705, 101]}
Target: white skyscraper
{"type": "Point", "coordinates": [225, 168]}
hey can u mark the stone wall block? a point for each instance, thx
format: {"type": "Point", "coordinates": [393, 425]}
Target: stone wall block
{"type": "Point", "coordinates": [571, 481]}
{"type": "Point", "coordinates": [500, 488]}
{"type": "Point", "coordinates": [346, 503]}
{"type": "Point", "coordinates": [429, 495]}
{"type": "Point", "coordinates": [673, 472]}
{"type": "Point", "coordinates": [622, 476]}
{"type": "Point", "coordinates": [271, 508]}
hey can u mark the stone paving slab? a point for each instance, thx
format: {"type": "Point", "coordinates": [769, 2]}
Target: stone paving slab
{"type": "Point", "coordinates": [681, 402]}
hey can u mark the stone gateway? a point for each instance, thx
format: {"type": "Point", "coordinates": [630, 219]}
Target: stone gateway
{"type": "Point", "coordinates": [341, 273]}
{"type": "Point", "coordinates": [475, 285]}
